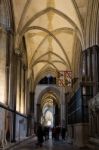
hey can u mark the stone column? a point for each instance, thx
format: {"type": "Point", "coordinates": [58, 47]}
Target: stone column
{"type": "Point", "coordinates": [31, 119]}
{"type": "Point", "coordinates": [32, 94]}
{"type": "Point", "coordinates": [62, 108]}
{"type": "Point", "coordinates": [3, 92]}
{"type": "Point", "coordinates": [38, 113]}
{"type": "Point", "coordinates": [95, 68]}
{"type": "Point", "coordinates": [3, 82]}
{"type": "Point", "coordinates": [66, 109]}
{"type": "Point", "coordinates": [14, 89]}
{"type": "Point", "coordinates": [9, 51]}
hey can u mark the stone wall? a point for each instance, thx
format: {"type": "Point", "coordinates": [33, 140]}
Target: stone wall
{"type": "Point", "coordinates": [2, 66]}
{"type": "Point", "coordinates": [21, 127]}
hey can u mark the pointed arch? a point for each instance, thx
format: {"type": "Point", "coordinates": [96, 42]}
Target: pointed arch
{"type": "Point", "coordinates": [39, 14]}
{"type": "Point", "coordinates": [44, 71]}
{"type": "Point", "coordinates": [52, 35]}
{"type": "Point", "coordinates": [54, 32]}
{"type": "Point", "coordinates": [51, 53]}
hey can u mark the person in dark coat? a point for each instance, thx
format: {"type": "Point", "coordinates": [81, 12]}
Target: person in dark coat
{"type": "Point", "coordinates": [63, 132]}
{"type": "Point", "coordinates": [40, 135]}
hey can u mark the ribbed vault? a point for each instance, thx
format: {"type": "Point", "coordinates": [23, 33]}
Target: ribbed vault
{"type": "Point", "coordinates": [50, 28]}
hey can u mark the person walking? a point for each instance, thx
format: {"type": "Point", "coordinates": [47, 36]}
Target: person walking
{"type": "Point", "coordinates": [40, 135]}
{"type": "Point", "coordinates": [63, 133]}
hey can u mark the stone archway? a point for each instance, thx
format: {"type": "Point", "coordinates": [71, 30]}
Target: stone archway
{"type": "Point", "coordinates": [41, 100]}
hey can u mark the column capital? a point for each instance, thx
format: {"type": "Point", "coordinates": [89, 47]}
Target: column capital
{"type": "Point", "coordinates": [18, 52]}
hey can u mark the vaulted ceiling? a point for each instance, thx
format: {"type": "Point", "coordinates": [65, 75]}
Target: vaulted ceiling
{"type": "Point", "coordinates": [50, 28]}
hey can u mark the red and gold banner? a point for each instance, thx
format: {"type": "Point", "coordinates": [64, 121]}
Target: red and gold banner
{"type": "Point", "coordinates": [64, 78]}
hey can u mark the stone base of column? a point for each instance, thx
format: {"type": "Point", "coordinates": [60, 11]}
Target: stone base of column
{"type": "Point", "coordinates": [3, 142]}
{"type": "Point", "coordinates": [70, 134]}
{"type": "Point", "coordinates": [93, 143]}
{"type": "Point", "coordinates": [78, 134]}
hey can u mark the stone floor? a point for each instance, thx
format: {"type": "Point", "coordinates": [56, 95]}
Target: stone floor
{"type": "Point", "coordinates": [48, 145]}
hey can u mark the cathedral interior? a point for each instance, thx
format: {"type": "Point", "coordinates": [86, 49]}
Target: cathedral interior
{"type": "Point", "coordinates": [49, 68]}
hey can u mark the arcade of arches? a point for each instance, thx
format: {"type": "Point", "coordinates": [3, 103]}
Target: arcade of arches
{"type": "Point", "coordinates": [40, 41]}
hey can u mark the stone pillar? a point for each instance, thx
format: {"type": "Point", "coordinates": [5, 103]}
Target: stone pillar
{"type": "Point", "coordinates": [62, 106]}
{"type": "Point", "coordinates": [78, 134]}
{"type": "Point", "coordinates": [32, 94]}
{"type": "Point", "coordinates": [3, 82]}
{"type": "Point", "coordinates": [81, 134]}
{"type": "Point", "coordinates": [9, 51]}
{"type": "Point", "coordinates": [66, 109]}
{"type": "Point", "coordinates": [38, 113]}
{"type": "Point", "coordinates": [29, 118]}
{"type": "Point", "coordinates": [94, 70]}
{"type": "Point", "coordinates": [14, 87]}
{"type": "Point", "coordinates": [3, 92]}
{"type": "Point", "coordinates": [31, 114]}
{"type": "Point", "coordinates": [57, 115]}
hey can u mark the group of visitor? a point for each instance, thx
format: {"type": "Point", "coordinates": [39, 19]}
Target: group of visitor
{"type": "Point", "coordinates": [43, 133]}
{"type": "Point", "coordinates": [58, 132]}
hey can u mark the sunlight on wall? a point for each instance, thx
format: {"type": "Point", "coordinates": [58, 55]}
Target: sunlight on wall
{"type": "Point", "coordinates": [2, 89]}
{"type": "Point", "coordinates": [17, 100]}
{"type": "Point", "coordinates": [22, 108]}
{"type": "Point", "coordinates": [3, 67]}
{"type": "Point", "coordinates": [17, 104]}
{"type": "Point", "coordinates": [18, 83]}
